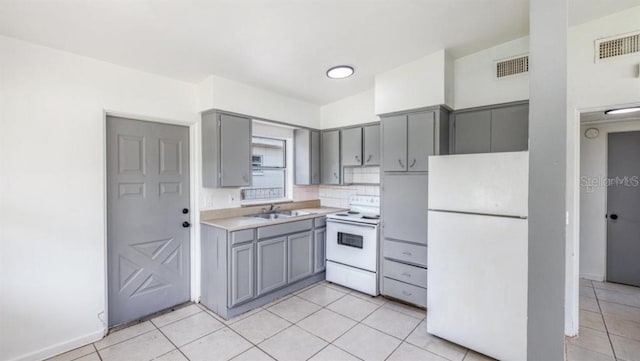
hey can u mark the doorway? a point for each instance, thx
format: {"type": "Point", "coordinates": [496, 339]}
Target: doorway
{"type": "Point", "coordinates": [623, 208]}
{"type": "Point", "coordinates": [148, 236]}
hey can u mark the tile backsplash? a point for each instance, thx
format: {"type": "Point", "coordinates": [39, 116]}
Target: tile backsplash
{"type": "Point", "coordinates": [361, 175]}
{"type": "Point", "coordinates": [338, 196]}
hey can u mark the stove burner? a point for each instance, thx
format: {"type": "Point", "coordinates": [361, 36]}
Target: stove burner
{"type": "Point", "coordinates": [353, 212]}
{"type": "Point", "coordinates": [342, 214]}
{"type": "Point", "coordinates": [371, 217]}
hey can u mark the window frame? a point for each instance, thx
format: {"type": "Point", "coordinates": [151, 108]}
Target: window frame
{"type": "Point", "coordinates": [261, 168]}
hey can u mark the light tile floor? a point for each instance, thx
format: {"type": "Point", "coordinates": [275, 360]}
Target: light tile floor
{"type": "Point", "coordinates": [609, 323]}
{"type": "Point", "coordinates": [322, 322]}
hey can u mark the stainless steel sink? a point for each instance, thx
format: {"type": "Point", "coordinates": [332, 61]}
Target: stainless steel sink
{"type": "Point", "coordinates": [280, 214]}
{"type": "Point", "coordinates": [295, 213]}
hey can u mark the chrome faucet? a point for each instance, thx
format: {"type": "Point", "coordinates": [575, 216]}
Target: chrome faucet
{"type": "Point", "coordinates": [272, 209]}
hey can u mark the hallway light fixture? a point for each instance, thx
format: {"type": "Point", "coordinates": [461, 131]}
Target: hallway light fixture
{"type": "Point", "coordinates": [622, 110]}
{"type": "Point", "coordinates": [340, 72]}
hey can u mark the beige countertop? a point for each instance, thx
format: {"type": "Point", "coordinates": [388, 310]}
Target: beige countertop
{"type": "Point", "coordinates": [244, 222]}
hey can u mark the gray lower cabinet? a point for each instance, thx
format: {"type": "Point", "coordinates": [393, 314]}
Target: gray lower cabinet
{"type": "Point", "coordinates": [306, 156]}
{"type": "Point", "coordinates": [371, 145]}
{"type": "Point", "coordinates": [330, 158]}
{"type": "Point", "coordinates": [351, 146]}
{"type": "Point", "coordinates": [500, 128]}
{"type": "Point", "coordinates": [300, 255]}
{"type": "Point", "coordinates": [246, 269]}
{"type": "Point", "coordinates": [242, 271]}
{"type": "Point", "coordinates": [272, 264]}
{"type": "Point", "coordinates": [226, 150]}
{"type": "Point", "coordinates": [319, 246]}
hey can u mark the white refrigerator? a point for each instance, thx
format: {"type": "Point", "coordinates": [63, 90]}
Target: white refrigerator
{"type": "Point", "coordinates": [477, 253]}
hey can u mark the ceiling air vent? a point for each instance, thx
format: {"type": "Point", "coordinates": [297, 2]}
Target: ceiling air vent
{"type": "Point", "coordinates": [512, 66]}
{"type": "Point", "coordinates": [608, 48]}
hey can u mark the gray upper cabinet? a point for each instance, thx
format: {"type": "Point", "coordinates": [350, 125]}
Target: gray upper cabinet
{"type": "Point", "coordinates": [272, 264]}
{"type": "Point", "coordinates": [226, 150]}
{"type": "Point", "coordinates": [300, 255]}
{"type": "Point", "coordinates": [408, 140]}
{"type": "Point", "coordinates": [472, 132]}
{"type": "Point", "coordinates": [394, 143]}
{"type": "Point", "coordinates": [503, 128]}
{"type": "Point", "coordinates": [319, 244]}
{"type": "Point", "coordinates": [330, 170]}
{"type": "Point", "coordinates": [371, 147]}
{"type": "Point", "coordinates": [404, 213]}
{"type": "Point", "coordinates": [307, 156]}
{"type": "Point", "coordinates": [351, 142]}
{"type": "Point", "coordinates": [421, 128]}
{"type": "Point", "coordinates": [242, 271]}
{"type": "Point", "coordinates": [510, 129]}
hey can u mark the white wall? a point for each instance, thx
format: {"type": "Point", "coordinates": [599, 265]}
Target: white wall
{"type": "Point", "coordinates": [475, 80]}
{"type": "Point", "coordinates": [356, 109]}
{"type": "Point", "coordinates": [52, 203]}
{"type": "Point", "coordinates": [593, 200]}
{"type": "Point", "coordinates": [418, 84]}
{"type": "Point", "coordinates": [219, 93]}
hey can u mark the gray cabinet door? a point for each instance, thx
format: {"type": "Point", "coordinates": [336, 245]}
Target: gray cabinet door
{"type": "Point", "coordinates": [351, 143]}
{"type": "Point", "coordinates": [315, 157]}
{"type": "Point", "coordinates": [302, 156]}
{"type": "Point", "coordinates": [272, 264]}
{"type": "Point", "coordinates": [300, 256]}
{"type": "Point", "coordinates": [242, 270]}
{"type": "Point", "coordinates": [394, 143]}
{"type": "Point", "coordinates": [319, 256]}
{"type": "Point", "coordinates": [421, 129]}
{"type": "Point", "coordinates": [510, 129]}
{"type": "Point", "coordinates": [472, 132]}
{"type": "Point", "coordinates": [371, 148]}
{"type": "Point", "coordinates": [235, 151]}
{"type": "Point", "coordinates": [330, 171]}
{"type": "Point", "coordinates": [404, 207]}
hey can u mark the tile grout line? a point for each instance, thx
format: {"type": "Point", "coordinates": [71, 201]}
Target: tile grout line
{"type": "Point", "coordinates": [165, 336]}
{"type": "Point", "coordinates": [613, 350]}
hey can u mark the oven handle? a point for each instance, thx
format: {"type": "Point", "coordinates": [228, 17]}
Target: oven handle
{"type": "Point", "coordinates": [352, 223]}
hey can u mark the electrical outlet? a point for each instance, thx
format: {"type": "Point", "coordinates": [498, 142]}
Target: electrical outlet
{"type": "Point", "coordinates": [232, 198]}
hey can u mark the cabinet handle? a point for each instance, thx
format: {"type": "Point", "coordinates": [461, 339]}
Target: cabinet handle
{"type": "Point", "coordinates": [358, 158]}
{"type": "Point", "coordinates": [406, 293]}
{"type": "Point", "coordinates": [369, 158]}
{"type": "Point", "coordinates": [407, 274]}
{"type": "Point", "coordinates": [245, 178]}
{"type": "Point", "coordinates": [335, 175]}
{"type": "Point", "coordinates": [401, 164]}
{"type": "Point", "coordinates": [406, 253]}
{"type": "Point", "coordinates": [413, 163]}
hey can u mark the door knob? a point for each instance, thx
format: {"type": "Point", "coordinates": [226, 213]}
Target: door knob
{"type": "Point", "coordinates": [185, 210]}
{"type": "Point", "coordinates": [186, 224]}
{"type": "Point", "coordinates": [613, 216]}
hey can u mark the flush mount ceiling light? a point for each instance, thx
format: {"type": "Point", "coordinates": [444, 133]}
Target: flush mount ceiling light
{"type": "Point", "coordinates": [340, 72]}
{"type": "Point", "coordinates": [622, 110]}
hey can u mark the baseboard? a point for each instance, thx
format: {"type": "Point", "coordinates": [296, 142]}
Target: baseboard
{"type": "Point", "coordinates": [592, 277]}
{"type": "Point", "coordinates": [62, 347]}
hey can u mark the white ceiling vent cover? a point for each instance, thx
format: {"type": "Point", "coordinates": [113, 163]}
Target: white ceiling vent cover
{"type": "Point", "coordinates": [513, 66]}
{"type": "Point", "coordinates": [617, 46]}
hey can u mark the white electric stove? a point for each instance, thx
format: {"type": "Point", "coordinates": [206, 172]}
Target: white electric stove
{"type": "Point", "coordinates": [353, 243]}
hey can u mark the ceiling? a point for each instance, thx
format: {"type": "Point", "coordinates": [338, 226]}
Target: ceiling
{"type": "Point", "coordinates": [284, 46]}
{"type": "Point", "coordinates": [601, 117]}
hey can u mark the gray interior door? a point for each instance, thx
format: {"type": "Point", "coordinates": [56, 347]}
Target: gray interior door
{"type": "Point", "coordinates": [147, 240]}
{"type": "Point", "coordinates": [394, 143]}
{"type": "Point", "coordinates": [472, 132]}
{"type": "Point", "coordinates": [623, 209]}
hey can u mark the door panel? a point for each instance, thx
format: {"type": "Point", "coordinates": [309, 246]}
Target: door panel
{"type": "Point", "coordinates": [331, 157]}
{"type": "Point", "coordinates": [242, 283]}
{"type": "Point", "coordinates": [235, 151]}
{"type": "Point", "coordinates": [623, 203]}
{"type": "Point", "coordinates": [371, 148]}
{"type": "Point", "coordinates": [420, 141]}
{"type": "Point", "coordinates": [300, 256]}
{"type": "Point", "coordinates": [148, 249]}
{"type": "Point", "coordinates": [302, 143]}
{"type": "Point", "coordinates": [351, 141]}
{"type": "Point", "coordinates": [510, 129]}
{"type": "Point", "coordinates": [272, 264]}
{"type": "Point", "coordinates": [472, 132]}
{"type": "Point", "coordinates": [404, 207]}
{"type": "Point", "coordinates": [315, 157]}
{"type": "Point", "coordinates": [394, 143]}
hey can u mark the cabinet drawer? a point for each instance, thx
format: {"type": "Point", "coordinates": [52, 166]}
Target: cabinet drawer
{"type": "Point", "coordinates": [243, 236]}
{"type": "Point", "coordinates": [403, 272]}
{"type": "Point", "coordinates": [320, 222]}
{"type": "Point", "coordinates": [411, 253]}
{"type": "Point", "coordinates": [406, 292]}
{"type": "Point", "coordinates": [284, 228]}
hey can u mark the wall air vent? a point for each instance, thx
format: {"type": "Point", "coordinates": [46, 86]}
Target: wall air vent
{"type": "Point", "coordinates": [513, 66]}
{"type": "Point", "coordinates": [620, 45]}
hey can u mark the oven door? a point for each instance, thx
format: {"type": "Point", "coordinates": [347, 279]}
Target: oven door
{"type": "Point", "coordinates": [353, 244]}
